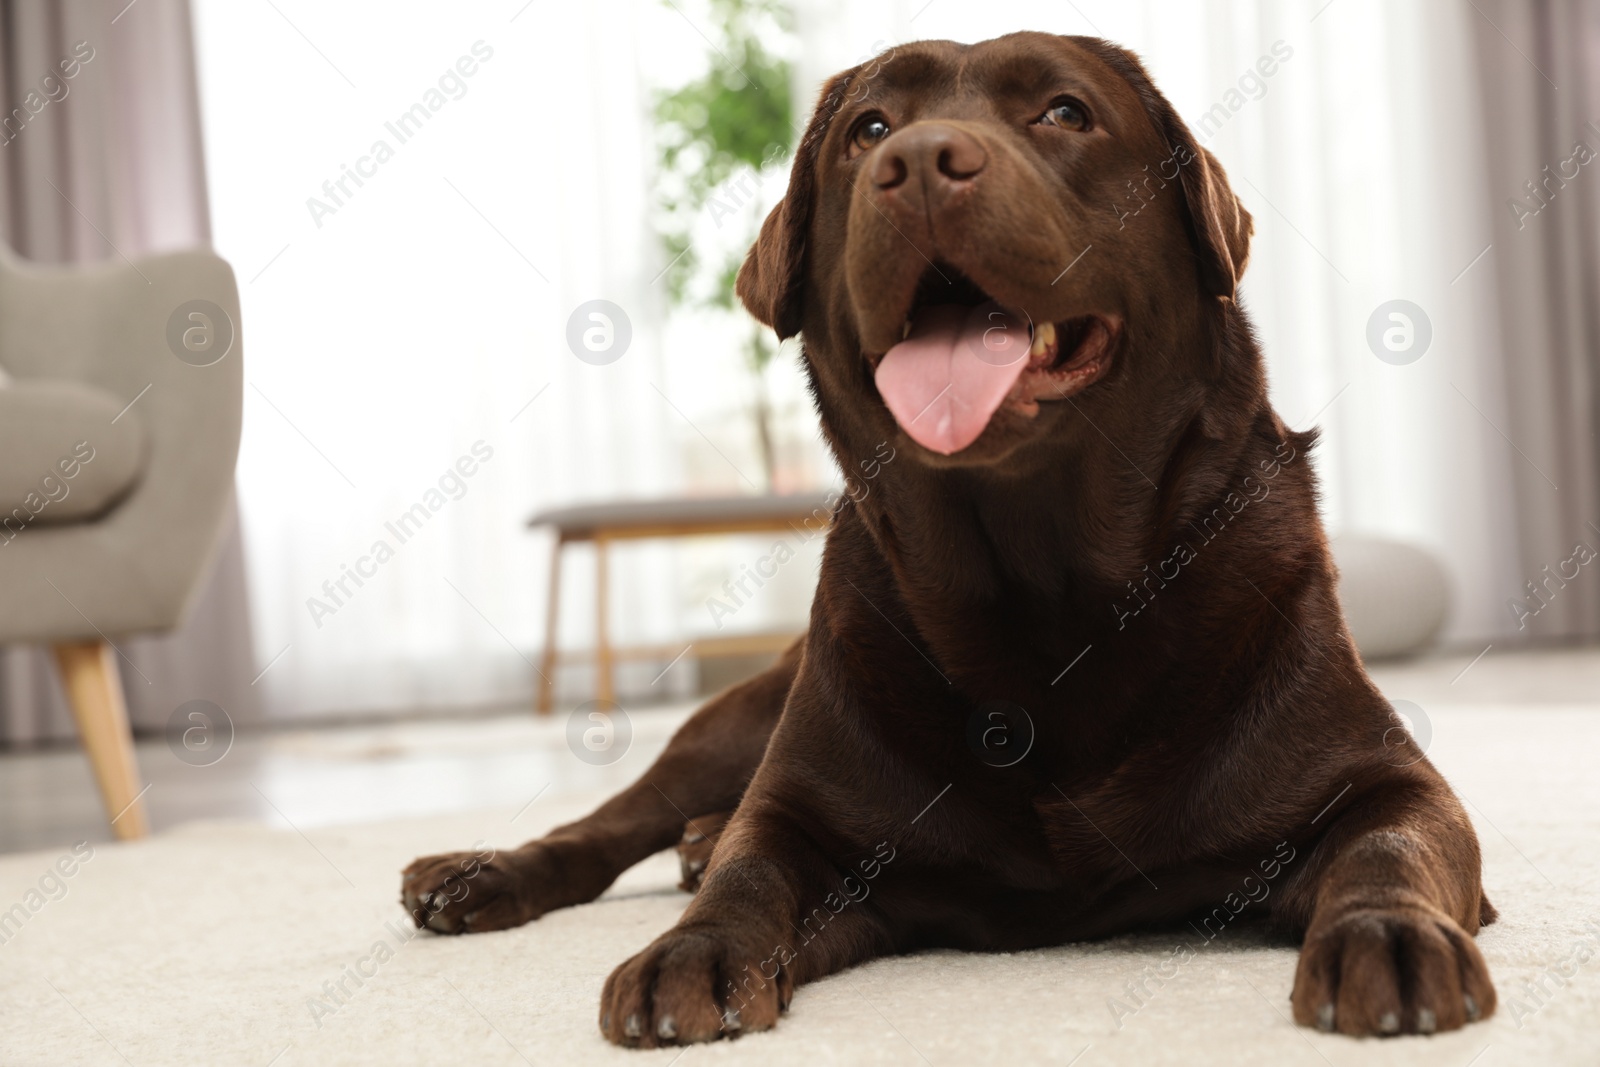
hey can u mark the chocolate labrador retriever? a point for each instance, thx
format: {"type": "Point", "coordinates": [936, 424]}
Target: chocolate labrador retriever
{"type": "Point", "coordinates": [1075, 665]}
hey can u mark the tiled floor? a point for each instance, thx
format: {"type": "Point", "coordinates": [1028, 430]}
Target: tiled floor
{"type": "Point", "coordinates": [356, 774]}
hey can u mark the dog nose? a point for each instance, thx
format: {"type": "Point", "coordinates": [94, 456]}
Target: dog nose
{"type": "Point", "coordinates": [942, 158]}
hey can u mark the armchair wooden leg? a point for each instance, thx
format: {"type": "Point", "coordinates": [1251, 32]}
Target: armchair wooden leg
{"type": "Point", "coordinates": [94, 688]}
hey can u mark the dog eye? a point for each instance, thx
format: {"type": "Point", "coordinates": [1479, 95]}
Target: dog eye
{"type": "Point", "coordinates": [869, 130]}
{"type": "Point", "coordinates": [1066, 113]}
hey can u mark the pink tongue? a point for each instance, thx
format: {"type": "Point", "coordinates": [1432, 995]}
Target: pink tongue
{"type": "Point", "coordinates": [946, 379]}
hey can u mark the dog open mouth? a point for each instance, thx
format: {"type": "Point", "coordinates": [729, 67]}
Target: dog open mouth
{"type": "Point", "coordinates": [964, 355]}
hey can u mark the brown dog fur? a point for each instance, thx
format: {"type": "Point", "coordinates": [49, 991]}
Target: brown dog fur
{"type": "Point", "coordinates": [1140, 567]}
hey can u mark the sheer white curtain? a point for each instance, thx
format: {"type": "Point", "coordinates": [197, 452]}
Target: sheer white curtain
{"type": "Point", "coordinates": [421, 324]}
{"type": "Point", "coordinates": [425, 310]}
{"type": "Point", "coordinates": [1360, 156]}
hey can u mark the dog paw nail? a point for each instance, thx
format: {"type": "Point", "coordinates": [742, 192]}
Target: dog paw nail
{"type": "Point", "coordinates": [1325, 1018]}
{"type": "Point", "coordinates": [631, 1026]}
{"type": "Point", "coordinates": [1427, 1021]}
{"type": "Point", "coordinates": [697, 866]}
{"type": "Point", "coordinates": [730, 1019]}
{"type": "Point", "coordinates": [1389, 1024]}
{"type": "Point", "coordinates": [667, 1028]}
{"type": "Point", "coordinates": [605, 1021]}
{"type": "Point", "coordinates": [693, 837]}
{"type": "Point", "coordinates": [1471, 1006]}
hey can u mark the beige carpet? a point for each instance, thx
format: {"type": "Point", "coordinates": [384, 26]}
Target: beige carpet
{"type": "Point", "coordinates": [211, 944]}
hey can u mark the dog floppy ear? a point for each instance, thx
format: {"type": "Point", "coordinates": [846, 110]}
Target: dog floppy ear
{"type": "Point", "coordinates": [768, 282]}
{"type": "Point", "coordinates": [771, 282]}
{"type": "Point", "coordinates": [1219, 226]}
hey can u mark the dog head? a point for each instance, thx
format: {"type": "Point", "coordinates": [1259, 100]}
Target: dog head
{"type": "Point", "coordinates": [978, 237]}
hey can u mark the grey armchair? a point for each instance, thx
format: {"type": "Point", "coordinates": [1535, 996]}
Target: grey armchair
{"type": "Point", "coordinates": [119, 429]}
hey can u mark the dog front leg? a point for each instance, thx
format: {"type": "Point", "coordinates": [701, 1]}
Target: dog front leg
{"type": "Point", "coordinates": [772, 913]}
{"type": "Point", "coordinates": [703, 770]}
{"type": "Point", "coordinates": [1391, 903]}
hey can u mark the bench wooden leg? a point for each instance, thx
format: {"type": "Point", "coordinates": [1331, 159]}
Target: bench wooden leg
{"type": "Point", "coordinates": [602, 638]}
{"type": "Point", "coordinates": [552, 624]}
{"type": "Point", "coordinates": [94, 689]}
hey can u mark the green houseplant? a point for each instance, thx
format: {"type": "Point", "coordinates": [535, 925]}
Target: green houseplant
{"type": "Point", "coordinates": [718, 138]}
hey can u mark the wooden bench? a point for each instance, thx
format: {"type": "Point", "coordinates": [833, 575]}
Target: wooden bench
{"type": "Point", "coordinates": [634, 520]}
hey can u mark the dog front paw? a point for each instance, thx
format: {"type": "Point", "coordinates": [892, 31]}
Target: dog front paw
{"type": "Point", "coordinates": [1384, 971]}
{"type": "Point", "coordinates": [692, 985]}
{"type": "Point", "coordinates": [467, 892]}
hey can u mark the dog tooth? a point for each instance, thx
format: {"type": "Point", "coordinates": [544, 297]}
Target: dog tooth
{"type": "Point", "coordinates": [905, 330]}
{"type": "Point", "coordinates": [1044, 335]}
